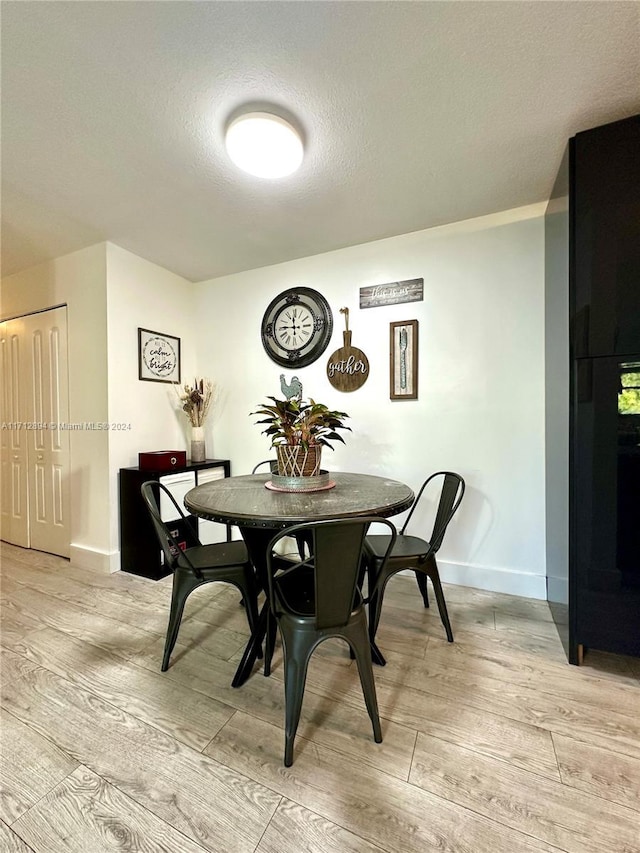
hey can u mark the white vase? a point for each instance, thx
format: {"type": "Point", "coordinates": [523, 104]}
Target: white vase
{"type": "Point", "coordinates": [198, 453]}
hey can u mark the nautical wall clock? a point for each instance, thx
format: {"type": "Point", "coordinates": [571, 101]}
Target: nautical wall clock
{"type": "Point", "coordinates": [297, 327]}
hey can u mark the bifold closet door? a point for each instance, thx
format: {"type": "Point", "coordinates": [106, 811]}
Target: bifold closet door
{"type": "Point", "coordinates": [35, 449]}
{"type": "Point", "coordinates": [14, 525]}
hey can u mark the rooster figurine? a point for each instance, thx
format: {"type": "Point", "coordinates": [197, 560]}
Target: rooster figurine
{"type": "Point", "coordinates": [293, 389]}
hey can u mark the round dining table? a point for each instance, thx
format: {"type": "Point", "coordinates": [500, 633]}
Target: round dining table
{"type": "Point", "coordinates": [259, 510]}
{"type": "Point", "coordinates": [249, 502]}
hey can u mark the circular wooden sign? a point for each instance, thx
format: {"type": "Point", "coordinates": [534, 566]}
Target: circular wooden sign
{"type": "Point", "coordinates": [348, 367]}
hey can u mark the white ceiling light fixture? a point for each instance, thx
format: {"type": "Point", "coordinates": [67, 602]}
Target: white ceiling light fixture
{"type": "Point", "coordinates": [264, 145]}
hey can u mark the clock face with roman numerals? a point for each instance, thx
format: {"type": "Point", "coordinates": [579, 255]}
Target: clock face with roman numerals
{"type": "Point", "coordinates": [297, 327]}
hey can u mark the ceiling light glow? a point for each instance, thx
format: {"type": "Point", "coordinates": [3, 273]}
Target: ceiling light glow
{"type": "Point", "coordinates": [264, 145]}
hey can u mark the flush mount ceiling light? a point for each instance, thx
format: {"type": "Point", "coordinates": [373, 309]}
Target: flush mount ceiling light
{"type": "Point", "coordinates": [264, 145]}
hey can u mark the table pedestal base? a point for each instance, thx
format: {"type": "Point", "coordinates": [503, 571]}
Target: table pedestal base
{"type": "Point", "coordinates": [253, 650]}
{"type": "Point", "coordinates": [257, 540]}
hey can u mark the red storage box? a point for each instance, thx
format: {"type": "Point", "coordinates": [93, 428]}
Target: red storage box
{"type": "Point", "coordinates": [162, 460]}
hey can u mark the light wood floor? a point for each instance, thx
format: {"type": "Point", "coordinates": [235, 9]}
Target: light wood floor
{"type": "Point", "coordinates": [492, 744]}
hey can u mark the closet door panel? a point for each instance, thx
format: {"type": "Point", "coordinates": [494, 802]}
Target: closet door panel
{"type": "Point", "coordinates": [14, 525]}
{"type": "Point", "coordinates": [48, 437]}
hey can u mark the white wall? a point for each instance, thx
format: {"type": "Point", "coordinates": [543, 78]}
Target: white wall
{"type": "Point", "coordinates": [79, 281]}
{"type": "Point", "coordinates": [143, 295]}
{"type": "Point", "coordinates": [481, 379]}
{"type": "Point", "coordinates": [481, 398]}
{"type": "Point", "coordinates": [109, 293]}
{"type": "Point", "coordinates": [557, 398]}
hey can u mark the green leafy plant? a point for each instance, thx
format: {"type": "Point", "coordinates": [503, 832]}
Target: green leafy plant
{"type": "Point", "coordinates": [299, 423]}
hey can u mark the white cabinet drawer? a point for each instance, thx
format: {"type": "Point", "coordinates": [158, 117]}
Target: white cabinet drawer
{"type": "Point", "coordinates": [178, 484]}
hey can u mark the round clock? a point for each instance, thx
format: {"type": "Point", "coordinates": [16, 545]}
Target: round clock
{"type": "Point", "coordinates": [297, 327]}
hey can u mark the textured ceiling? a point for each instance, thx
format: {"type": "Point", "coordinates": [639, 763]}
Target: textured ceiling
{"type": "Point", "coordinates": [415, 114]}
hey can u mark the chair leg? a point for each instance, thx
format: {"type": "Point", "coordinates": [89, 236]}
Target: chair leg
{"type": "Point", "coordinates": [422, 586]}
{"type": "Point", "coordinates": [362, 651]}
{"type": "Point", "coordinates": [296, 659]}
{"type": "Point", "coordinates": [182, 588]}
{"type": "Point", "coordinates": [432, 570]}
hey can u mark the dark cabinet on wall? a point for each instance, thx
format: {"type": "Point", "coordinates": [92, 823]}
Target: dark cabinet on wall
{"type": "Point", "coordinates": [604, 413]}
{"type": "Point", "coordinates": [140, 552]}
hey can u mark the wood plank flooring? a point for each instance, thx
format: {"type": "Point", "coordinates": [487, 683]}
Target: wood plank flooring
{"type": "Point", "coordinates": [492, 744]}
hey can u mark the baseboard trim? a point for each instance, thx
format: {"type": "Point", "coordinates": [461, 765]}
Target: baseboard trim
{"type": "Point", "coordinates": [508, 581]}
{"type": "Point", "coordinates": [558, 590]}
{"type": "Point", "coordinates": [91, 558]}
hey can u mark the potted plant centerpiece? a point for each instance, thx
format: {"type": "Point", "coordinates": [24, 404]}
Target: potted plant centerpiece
{"type": "Point", "coordinates": [299, 430]}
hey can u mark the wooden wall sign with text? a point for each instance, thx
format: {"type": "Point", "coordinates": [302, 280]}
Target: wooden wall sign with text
{"type": "Point", "coordinates": [348, 367]}
{"type": "Point", "coordinates": [393, 293]}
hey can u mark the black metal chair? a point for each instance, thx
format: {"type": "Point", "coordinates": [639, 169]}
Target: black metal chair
{"type": "Point", "coordinates": [410, 552]}
{"type": "Point", "coordinates": [318, 598]}
{"type": "Point", "coordinates": [272, 463]}
{"type": "Point", "coordinates": [197, 564]}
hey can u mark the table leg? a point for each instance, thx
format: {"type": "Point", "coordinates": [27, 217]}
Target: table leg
{"type": "Point", "coordinates": [366, 569]}
{"type": "Point", "coordinates": [253, 649]}
{"type": "Point", "coordinates": [376, 654]}
{"type": "Point", "coordinates": [256, 540]}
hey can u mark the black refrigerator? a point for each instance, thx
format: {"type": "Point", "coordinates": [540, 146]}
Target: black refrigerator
{"type": "Point", "coordinates": [604, 406]}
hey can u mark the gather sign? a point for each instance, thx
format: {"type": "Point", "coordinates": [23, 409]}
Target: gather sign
{"type": "Point", "coordinates": [348, 367]}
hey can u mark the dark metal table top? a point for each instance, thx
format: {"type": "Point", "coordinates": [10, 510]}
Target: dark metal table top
{"type": "Point", "coordinates": [246, 502]}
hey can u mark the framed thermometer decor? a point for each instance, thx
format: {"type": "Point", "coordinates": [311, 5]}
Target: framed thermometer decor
{"type": "Point", "coordinates": [403, 360]}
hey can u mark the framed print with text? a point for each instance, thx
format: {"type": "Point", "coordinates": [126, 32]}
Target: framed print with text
{"type": "Point", "coordinates": [403, 360]}
{"type": "Point", "coordinates": [158, 357]}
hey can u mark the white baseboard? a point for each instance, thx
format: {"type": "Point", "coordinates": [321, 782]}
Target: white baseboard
{"type": "Point", "coordinates": [558, 590]}
{"type": "Point", "coordinates": [91, 558]}
{"type": "Point", "coordinates": [508, 581]}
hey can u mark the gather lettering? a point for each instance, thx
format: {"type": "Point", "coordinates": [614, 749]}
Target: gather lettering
{"type": "Point", "coordinates": [349, 366]}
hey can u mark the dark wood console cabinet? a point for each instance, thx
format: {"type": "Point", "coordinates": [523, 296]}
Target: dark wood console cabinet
{"type": "Point", "coordinates": [140, 552]}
